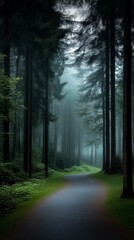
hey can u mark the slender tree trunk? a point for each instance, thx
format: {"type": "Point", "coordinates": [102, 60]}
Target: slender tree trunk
{"type": "Point", "coordinates": [95, 162]}
{"type": "Point", "coordinates": [55, 136]}
{"type": "Point", "coordinates": [92, 154]}
{"type": "Point", "coordinates": [6, 121]}
{"type": "Point", "coordinates": [127, 121]}
{"type": "Point", "coordinates": [43, 136]}
{"type": "Point", "coordinates": [28, 115]}
{"type": "Point", "coordinates": [107, 163]}
{"type": "Point", "coordinates": [47, 119]}
{"type": "Point", "coordinates": [14, 149]}
{"type": "Point", "coordinates": [104, 121]}
{"type": "Point", "coordinates": [120, 142]}
{"type": "Point", "coordinates": [133, 134]}
{"type": "Point", "coordinates": [79, 142]}
{"type": "Point", "coordinates": [113, 134]}
{"type": "Point", "coordinates": [19, 138]}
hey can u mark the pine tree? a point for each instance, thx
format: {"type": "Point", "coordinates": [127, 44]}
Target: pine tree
{"type": "Point", "coordinates": [127, 124]}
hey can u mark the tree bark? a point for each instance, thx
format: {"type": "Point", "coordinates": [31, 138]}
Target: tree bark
{"type": "Point", "coordinates": [14, 148]}
{"type": "Point", "coordinates": [46, 118]}
{"type": "Point", "coordinates": [107, 165]}
{"type": "Point", "coordinates": [6, 121]}
{"type": "Point", "coordinates": [113, 127]}
{"type": "Point", "coordinates": [104, 121]}
{"type": "Point", "coordinates": [28, 115]}
{"type": "Point", "coordinates": [127, 121]}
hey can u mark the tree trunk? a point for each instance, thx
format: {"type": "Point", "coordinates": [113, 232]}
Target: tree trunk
{"type": "Point", "coordinates": [46, 119]}
{"type": "Point", "coordinates": [104, 121]}
{"type": "Point", "coordinates": [113, 134]}
{"type": "Point", "coordinates": [43, 136]}
{"type": "Point", "coordinates": [6, 121]}
{"type": "Point", "coordinates": [107, 163]}
{"type": "Point", "coordinates": [55, 136]}
{"type": "Point", "coordinates": [127, 124]}
{"type": "Point", "coordinates": [14, 148]}
{"type": "Point", "coordinates": [28, 115]}
{"type": "Point", "coordinates": [92, 154]}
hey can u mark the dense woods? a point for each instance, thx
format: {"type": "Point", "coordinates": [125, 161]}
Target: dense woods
{"type": "Point", "coordinates": [50, 118]}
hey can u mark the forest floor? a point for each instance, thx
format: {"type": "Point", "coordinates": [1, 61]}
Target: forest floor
{"type": "Point", "coordinates": [18, 199]}
{"type": "Point", "coordinates": [121, 209]}
{"type": "Point", "coordinates": [75, 212]}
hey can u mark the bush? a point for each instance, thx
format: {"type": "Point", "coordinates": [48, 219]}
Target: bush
{"type": "Point", "coordinates": [21, 176]}
{"type": "Point", "coordinates": [51, 171]}
{"type": "Point", "coordinates": [10, 196]}
{"type": "Point", "coordinates": [39, 175]}
{"type": "Point", "coordinates": [6, 202]}
{"type": "Point", "coordinates": [67, 169]}
{"type": "Point", "coordinates": [38, 167]}
{"type": "Point", "coordinates": [76, 168]}
{"type": "Point", "coordinates": [12, 166]}
{"type": "Point", "coordinates": [6, 176]}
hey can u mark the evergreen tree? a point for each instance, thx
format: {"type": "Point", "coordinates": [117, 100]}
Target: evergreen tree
{"type": "Point", "coordinates": [127, 124]}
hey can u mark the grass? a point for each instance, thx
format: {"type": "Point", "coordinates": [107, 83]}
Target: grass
{"type": "Point", "coordinates": [37, 189]}
{"type": "Point", "coordinates": [33, 192]}
{"type": "Point", "coordinates": [121, 209]}
{"type": "Point", "coordinates": [82, 168]}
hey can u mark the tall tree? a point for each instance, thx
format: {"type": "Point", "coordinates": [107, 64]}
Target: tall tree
{"type": "Point", "coordinates": [6, 52]}
{"type": "Point", "coordinates": [127, 124]}
{"type": "Point", "coordinates": [112, 48]}
{"type": "Point", "coordinates": [28, 114]}
{"type": "Point", "coordinates": [107, 165]}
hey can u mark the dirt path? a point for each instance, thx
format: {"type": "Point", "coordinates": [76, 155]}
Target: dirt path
{"type": "Point", "coordinates": [74, 213]}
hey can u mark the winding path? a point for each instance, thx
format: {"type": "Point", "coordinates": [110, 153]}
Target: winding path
{"type": "Point", "coordinates": [73, 213]}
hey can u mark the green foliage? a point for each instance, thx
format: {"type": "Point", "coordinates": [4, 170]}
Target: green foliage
{"type": "Point", "coordinates": [21, 176]}
{"type": "Point", "coordinates": [12, 166]}
{"type": "Point", "coordinates": [9, 97]}
{"type": "Point", "coordinates": [9, 174]}
{"type": "Point", "coordinates": [6, 176]}
{"type": "Point", "coordinates": [38, 167]}
{"type": "Point", "coordinates": [121, 209]}
{"type": "Point", "coordinates": [82, 168]}
{"type": "Point", "coordinates": [67, 170]}
{"type": "Point", "coordinates": [6, 202]}
{"type": "Point", "coordinates": [9, 197]}
{"type": "Point", "coordinates": [89, 168]}
{"type": "Point", "coordinates": [38, 175]}
{"type": "Point", "coordinates": [25, 196]}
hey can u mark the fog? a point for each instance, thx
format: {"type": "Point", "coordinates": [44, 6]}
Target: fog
{"type": "Point", "coordinates": [72, 139]}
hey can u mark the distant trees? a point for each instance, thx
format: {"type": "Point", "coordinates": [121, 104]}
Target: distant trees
{"type": "Point", "coordinates": [31, 50]}
{"type": "Point", "coordinates": [104, 31]}
{"type": "Point", "coordinates": [67, 131]}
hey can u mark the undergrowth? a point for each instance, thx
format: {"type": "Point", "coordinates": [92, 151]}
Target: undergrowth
{"type": "Point", "coordinates": [17, 199]}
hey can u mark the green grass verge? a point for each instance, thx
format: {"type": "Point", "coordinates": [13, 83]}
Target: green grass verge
{"type": "Point", "coordinates": [121, 209]}
{"type": "Point", "coordinates": [83, 168]}
{"type": "Point", "coordinates": [37, 189]}
{"type": "Point", "coordinates": [33, 191]}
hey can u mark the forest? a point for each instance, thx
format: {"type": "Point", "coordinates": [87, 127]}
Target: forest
{"type": "Point", "coordinates": [66, 91]}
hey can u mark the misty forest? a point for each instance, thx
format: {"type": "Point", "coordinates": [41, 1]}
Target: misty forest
{"type": "Point", "coordinates": [66, 107]}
